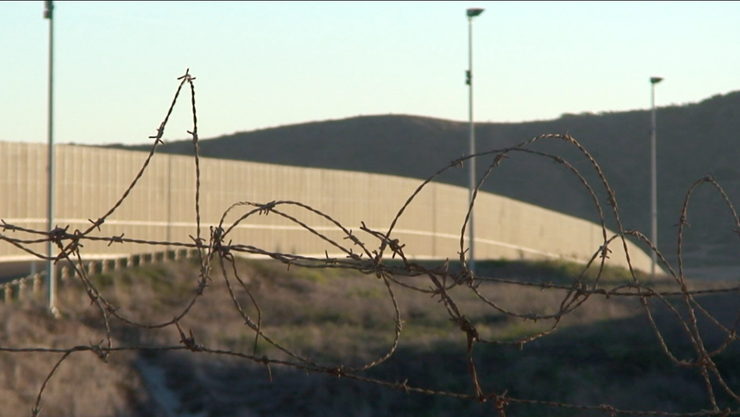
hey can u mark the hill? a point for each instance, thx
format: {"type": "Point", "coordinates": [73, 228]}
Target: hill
{"type": "Point", "coordinates": [693, 140]}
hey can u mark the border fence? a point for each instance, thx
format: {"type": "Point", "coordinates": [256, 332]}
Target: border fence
{"type": "Point", "coordinates": [90, 180]}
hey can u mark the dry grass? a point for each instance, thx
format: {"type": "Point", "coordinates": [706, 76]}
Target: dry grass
{"type": "Point", "coordinates": [603, 352]}
{"type": "Point", "coordinates": [338, 314]}
{"type": "Point", "coordinates": [83, 386]}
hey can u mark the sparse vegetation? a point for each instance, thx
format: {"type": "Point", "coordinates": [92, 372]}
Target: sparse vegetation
{"type": "Point", "coordinates": [604, 352]}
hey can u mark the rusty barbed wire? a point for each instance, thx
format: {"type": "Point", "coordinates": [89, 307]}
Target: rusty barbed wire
{"type": "Point", "coordinates": [370, 257]}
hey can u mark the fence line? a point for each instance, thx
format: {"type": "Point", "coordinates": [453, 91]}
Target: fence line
{"type": "Point", "coordinates": [369, 251]}
{"type": "Point", "coordinates": [17, 286]}
{"type": "Point", "coordinates": [91, 179]}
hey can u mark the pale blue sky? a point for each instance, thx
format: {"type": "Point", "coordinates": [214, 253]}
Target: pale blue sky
{"type": "Point", "coordinates": [266, 64]}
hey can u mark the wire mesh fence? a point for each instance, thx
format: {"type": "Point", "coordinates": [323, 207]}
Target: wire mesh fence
{"type": "Point", "coordinates": [379, 254]}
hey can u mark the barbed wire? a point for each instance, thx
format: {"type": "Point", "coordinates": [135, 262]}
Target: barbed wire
{"type": "Point", "coordinates": [373, 256]}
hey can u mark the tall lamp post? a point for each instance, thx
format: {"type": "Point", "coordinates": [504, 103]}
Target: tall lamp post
{"type": "Point", "coordinates": [49, 14]}
{"type": "Point", "coordinates": [471, 13]}
{"type": "Point", "coordinates": [653, 175]}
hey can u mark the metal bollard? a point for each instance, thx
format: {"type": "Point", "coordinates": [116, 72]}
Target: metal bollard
{"type": "Point", "coordinates": [21, 288]}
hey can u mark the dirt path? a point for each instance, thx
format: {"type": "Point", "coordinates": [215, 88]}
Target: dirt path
{"type": "Point", "coordinates": [167, 401]}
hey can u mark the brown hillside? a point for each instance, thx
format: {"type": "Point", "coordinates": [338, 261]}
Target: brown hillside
{"type": "Point", "coordinates": [693, 140]}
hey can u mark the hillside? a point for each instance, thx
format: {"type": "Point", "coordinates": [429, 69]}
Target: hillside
{"type": "Point", "coordinates": [602, 352]}
{"type": "Point", "coordinates": [693, 140]}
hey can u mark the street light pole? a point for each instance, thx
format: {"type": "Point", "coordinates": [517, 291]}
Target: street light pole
{"type": "Point", "coordinates": [51, 279]}
{"type": "Point", "coordinates": [471, 13]}
{"type": "Point", "coordinates": [653, 175]}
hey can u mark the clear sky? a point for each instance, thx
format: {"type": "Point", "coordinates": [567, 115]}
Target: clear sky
{"type": "Point", "coordinates": [265, 64]}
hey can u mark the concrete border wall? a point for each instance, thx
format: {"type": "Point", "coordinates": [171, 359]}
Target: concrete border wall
{"type": "Point", "coordinates": [162, 207]}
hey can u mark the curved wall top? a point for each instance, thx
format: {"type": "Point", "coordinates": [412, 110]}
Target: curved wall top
{"type": "Point", "coordinates": [162, 207]}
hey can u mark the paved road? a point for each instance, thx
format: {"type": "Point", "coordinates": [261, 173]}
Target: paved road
{"type": "Point", "coordinates": [12, 270]}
